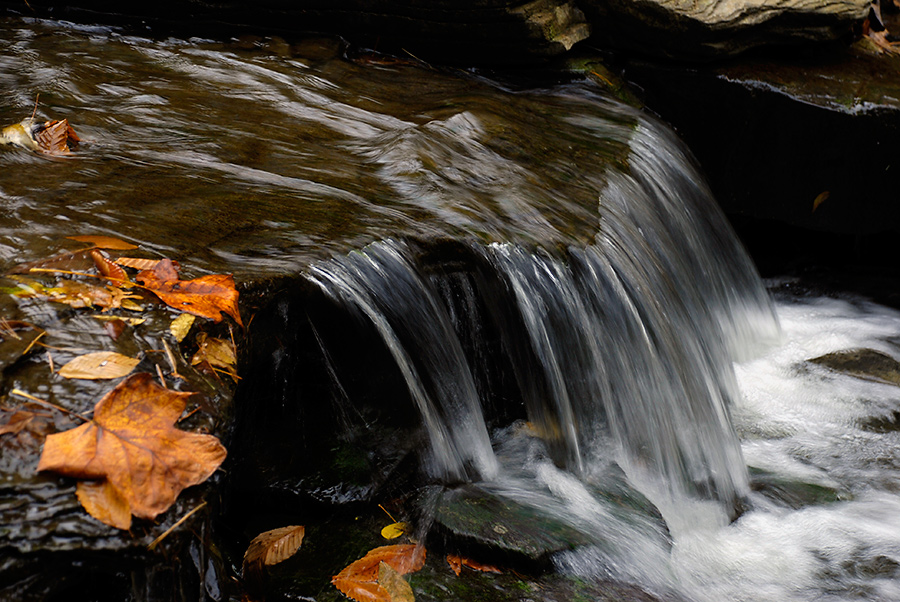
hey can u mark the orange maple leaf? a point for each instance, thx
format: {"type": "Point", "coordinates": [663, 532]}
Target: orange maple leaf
{"type": "Point", "coordinates": [206, 296]}
{"type": "Point", "coordinates": [359, 580]}
{"type": "Point", "coordinates": [132, 444]}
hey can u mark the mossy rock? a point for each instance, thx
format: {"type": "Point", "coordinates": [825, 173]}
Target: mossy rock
{"type": "Point", "coordinates": [501, 530]}
{"type": "Point", "coordinates": [793, 492]}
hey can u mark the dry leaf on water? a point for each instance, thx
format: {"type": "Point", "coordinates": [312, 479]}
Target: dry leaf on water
{"type": "Point", "coordinates": [359, 580]}
{"type": "Point", "coordinates": [132, 444]}
{"type": "Point", "coordinates": [105, 242]}
{"type": "Point", "coordinates": [111, 270]}
{"type": "Point", "coordinates": [99, 366]}
{"type": "Point", "coordinates": [206, 296]}
{"type": "Point", "coordinates": [181, 326]}
{"type": "Point", "coordinates": [272, 547]}
{"type": "Point", "coordinates": [457, 562]}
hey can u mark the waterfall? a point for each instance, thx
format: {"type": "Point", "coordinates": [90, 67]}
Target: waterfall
{"type": "Point", "coordinates": [626, 344]}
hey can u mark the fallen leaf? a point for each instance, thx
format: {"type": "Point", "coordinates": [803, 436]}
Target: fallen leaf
{"type": "Point", "coordinates": [395, 585]}
{"type": "Point", "coordinates": [129, 321]}
{"type": "Point", "coordinates": [359, 580]}
{"type": "Point", "coordinates": [217, 352]}
{"type": "Point", "coordinates": [110, 269]}
{"type": "Point", "coordinates": [56, 137]}
{"type": "Point", "coordinates": [105, 242]}
{"type": "Point", "coordinates": [823, 196]}
{"type": "Point", "coordinates": [99, 366]}
{"type": "Point", "coordinates": [272, 547]}
{"type": "Point", "coordinates": [139, 263]}
{"type": "Point", "coordinates": [181, 326]}
{"type": "Point", "coordinates": [133, 444]}
{"type": "Point", "coordinates": [394, 530]}
{"type": "Point", "coordinates": [206, 296]}
{"type": "Point", "coordinates": [103, 502]}
{"type": "Point", "coordinates": [457, 562]}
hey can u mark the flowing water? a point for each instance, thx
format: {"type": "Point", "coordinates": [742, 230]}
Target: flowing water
{"type": "Point", "coordinates": [642, 341]}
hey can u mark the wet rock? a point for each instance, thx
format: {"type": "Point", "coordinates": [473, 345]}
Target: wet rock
{"type": "Point", "coordinates": [863, 363]}
{"type": "Point", "coordinates": [798, 150]}
{"type": "Point", "coordinates": [500, 529]}
{"type": "Point", "coordinates": [482, 31]}
{"type": "Point", "coordinates": [793, 493]}
{"type": "Point", "coordinates": [720, 27]}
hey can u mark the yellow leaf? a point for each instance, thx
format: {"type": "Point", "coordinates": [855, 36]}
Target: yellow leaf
{"type": "Point", "coordinates": [820, 199]}
{"type": "Point", "coordinates": [394, 530]}
{"type": "Point", "coordinates": [98, 366]}
{"type": "Point", "coordinates": [181, 325]}
{"type": "Point", "coordinates": [394, 584]}
{"type": "Point", "coordinates": [129, 321]}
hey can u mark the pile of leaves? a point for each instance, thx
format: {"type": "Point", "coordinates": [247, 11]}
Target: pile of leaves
{"type": "Point", "coordinates": [129, 456]}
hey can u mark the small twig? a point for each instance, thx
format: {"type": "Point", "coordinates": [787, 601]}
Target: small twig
{"type": "Point", "coordinates": [33, 342]}
{"type": "Point", "coordinates": [38, 95]}
{"type": "Point", "coordinates": [50, 359]}
{"type": "Point", "coordinates": [388, 513]}
{"type": "Point", "coordinates": [171, 358]}
{"type": "Point", "coordinates": [162, 380]}
{"type": "Point", "coordinates": [168, 531]}
{"type": "Point", "coordinates": [48, 404]}
{"type": "Point", "coordinates": [189, 414]}
{"type": "Point", "coordinates": [7, 329]}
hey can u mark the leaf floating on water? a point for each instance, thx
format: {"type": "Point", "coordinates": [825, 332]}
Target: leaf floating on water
{"type": "Point", "coordinates": [133, 444]}
{"type": "Point", "coordinates": [139, 263]}
{"type": "Point", "coordinates": [359, 580]}
{"type": "Point", "coordinates": [55, 137]}
{"type": "Point", "coordinates": [99, 366]}
{"type": "Point", "coordinates": [272, 547]}
{"type": "Point", "coordinates": [129, 321]}
{"type": "Point", "coordinates": [103, 502]}
{"type": "Point", "coordinates": [110, 269]}
{"type": "Point", "coordinates": [105, 242]}
{"type": "Point", "coordinates": [207, 296]}
{"type": "Point", "coordinates": [181, 326]}
{"type": "Point", "coordinates": [395, 585]}
{"type": "Point", "coordinates": [218, 353]}
{"type": "Point", "coordinates": [394, 530]}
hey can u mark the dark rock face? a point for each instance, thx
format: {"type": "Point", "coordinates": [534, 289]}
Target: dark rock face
{"type": "Point", "coordinates": [717, 28]}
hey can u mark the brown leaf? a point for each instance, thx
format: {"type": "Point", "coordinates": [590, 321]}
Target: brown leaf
{"type": "Point", "coordinates": [139, 263]}
{"type": "Point", "coordinates": [103, 502]}
{"type": "Point", "coordinates": [56, 137]}
{"type": "Point", "coordinates": [274, 546]}
{"type": "Point", "coordinates": [110, 269]}
{"type": "Point", "coordinates": [132, 442]}
{"type": "Point", "coordinates": [395, 585]}
{"type": "Point", "coordinates": [99, 366]}
{"type": "Point", "coordinates": [206, 296]}
{"type": "Point", "coordinates": [105, 242]}
{"type": "Point", "coordinates": [359, 580]}
{"type": "Point", "coordinates": [217, 352]}
{"type": "Point", "coordinates": [457, 562]}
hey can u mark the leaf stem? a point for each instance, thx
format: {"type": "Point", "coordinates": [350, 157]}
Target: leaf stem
{"type": "Point", "coordinates": [168, 531]}
{"type": "Point", "coordinates": [48, 404]}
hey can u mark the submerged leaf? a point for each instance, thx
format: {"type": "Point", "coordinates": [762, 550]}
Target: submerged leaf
{"type": "Point", "coordinates": [457, 562]}
{"type": "Point", "coordinates": [359, 580]}
{"type": "Point", "coordinates": [109, 269]}
{"type": "Point", "coordinates": [99, 366]}
{"type": "Point", "coordinates": [132, 442]}
{"type": "Point", "coordinates": [395, 585]}
{"type": "Point", "coordinates": [217, 352]}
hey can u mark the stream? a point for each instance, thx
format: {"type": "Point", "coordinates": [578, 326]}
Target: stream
{"type": "Point", "coordinates": [550, 248]}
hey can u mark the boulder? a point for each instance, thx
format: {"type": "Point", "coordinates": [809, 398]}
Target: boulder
{"type": "Point", "coordinates": [706, 28]}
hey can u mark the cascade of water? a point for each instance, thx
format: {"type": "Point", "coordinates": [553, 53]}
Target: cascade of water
{"type": "Point", "coordinates": [382, 284]}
